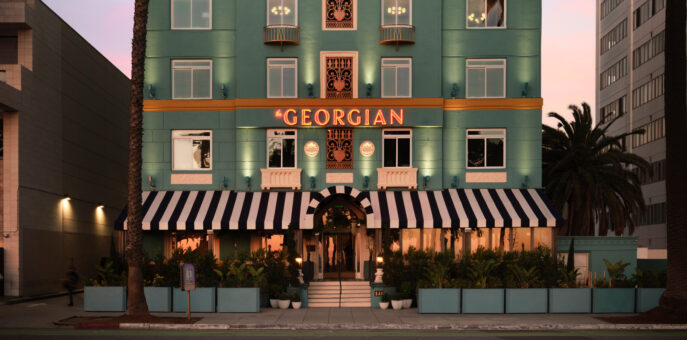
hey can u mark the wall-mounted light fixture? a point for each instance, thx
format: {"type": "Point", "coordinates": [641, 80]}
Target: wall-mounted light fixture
{"type": "Point", "coordinates": [67, 198]}
{"type": "Point", "coordinates": [313, 181]}
{"type": "Point", "coordinates": [526, 182]}
{"type": "Point", "coordinates": [151, 182]}
{"type": "Point", "coordinates": [525, 89]}
{"type": "Point", "coordinates": [310, 90]}
{"type": "Point", "coordinates": [248, 182]}
{"type": "Point", "coordinates": [151, 91]}
{"type": "Point", "coordinates": [366, 181]}
{"type": "Point", "coordinates": [225, 182]}
{"type": "Point", "coordinates": [426, 181]}
{"type": "Point", "coordinates": [369, 90]}
{"type": "Point", "coordinates": [224, 90]}
{"type": "Point", "coordinates": [100, 206]}
{"type": "Point", "coordinates": [454, 184]}
{"type": "Point", "coordinates": [454, 91]}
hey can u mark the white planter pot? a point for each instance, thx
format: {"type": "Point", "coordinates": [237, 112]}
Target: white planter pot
{"type": "Point", "coordinates": [396, 304]}
{"type": "Point", "coordinates": [284, 304]}
{"type": "Point", "coordinates": [296, 305]}
{"type": "Point", "coordinates": [274, 303]}
{"type": "Point", "coordinates": [407, 303]}
{"type": "Point", "coordinates": [383, 305]}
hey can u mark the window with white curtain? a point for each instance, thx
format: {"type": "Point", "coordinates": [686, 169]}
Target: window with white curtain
{"type": "Point", "coordinates": [397, 12]}
{"type": "Point", "coordinates": [282, 77]}
{"type": "Point", "coordinates": [281, 148]}
{"type": "Point", "coordinates": [192, 150]}
{"type": "Point", "coordinates": [282, 12]}
{"type": "Point", "coordinates": [486, 78]}
{"type": "Point", "coordinates": [397, 77]}
{"type": "Point", "coordinates": [486, 13]}
{"type": "Point", "coordinates": [191, 79]}
{"type": "Point", "coordinates": [486, 148]}
{"type": "Point", "coordinates": [191, 14]}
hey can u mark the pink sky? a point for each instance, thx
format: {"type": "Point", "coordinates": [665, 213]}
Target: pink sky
{"type": "Point", "coordinates": [568, 43]}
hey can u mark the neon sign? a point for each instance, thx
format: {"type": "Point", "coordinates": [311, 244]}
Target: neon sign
{"type": "Point", "coordinates": [340, 117]}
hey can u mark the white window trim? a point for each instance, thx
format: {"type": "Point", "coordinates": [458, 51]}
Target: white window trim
{"type": "Point", "coordinates": [355, 18]}
{"type": "Point", "coordinates": [505, 76]}
{"type": "Point", "coordinates": [267, 14]}
{"type": "Point", "coordinates": [282, 77]}
{"type": "Point", "coordinates": [171, 19]}
{"type": "Point", "coordinates": [295, 151]}
{"type": "Point", "coordinates": [505, 149]}
{"type": "Point", "coordinates": [192, 138]}
{"type": "Point", "coordinates": [323, 70]}
{"type": "Point", "coordinates": [410, 8]}
{"type": "Point", "coordinates": [192, 68]}
{"type": "Point", "coordinates": [505, 18]}
{"type": "Point", "coordinates": [396, 137]}
{"type": "Point", "coordinates": [410, 79]}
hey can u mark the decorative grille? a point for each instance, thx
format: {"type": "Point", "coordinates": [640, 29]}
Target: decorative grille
{"type": "Point", "coordinates": [339, 14]}
{"type": "Point", "coordinates": [339, 77]}
{"type": "Point", "coordinates": [340, 149]}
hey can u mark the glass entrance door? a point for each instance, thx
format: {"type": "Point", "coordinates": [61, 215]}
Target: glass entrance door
{"type": "Point", "coordinates": [339, 256]}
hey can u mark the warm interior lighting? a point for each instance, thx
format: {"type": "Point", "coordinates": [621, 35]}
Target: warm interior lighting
{"type": "Point", "coordinates": [380, 259]}
{"type": "Point", "coordinates": [281, 10]}
{"type": "Point", "coordinates": [394, 10]}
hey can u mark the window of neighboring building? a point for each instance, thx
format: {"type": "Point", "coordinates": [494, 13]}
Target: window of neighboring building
{"type": "Point", "coordinates": [9, 49]}
{"type": "Point", "coordinates": [396, 77]}
{"type": "Point", "coordinates": [486, 13]}
{"type": "Point", "coordinates": [612, 38]}
{"type": "Point", "coordinates": [397, 151]}
{"type": "Point", "coordinates": [397, 12]}
{"type": "Point", "coordinates": [648, 91]}
{"type": "Point", "coordinates": [486, 148]}
{"type": "Point", "coordinates": [614, 73]}
{"type": "Point", "coordinates": [191, 14]}
{"type": "Point", "coordinates": [646, 11]}
{"type": "Point", "coordinates": [282, 12]}
{"type": "Point", "coordinates": [653, 131]}
{"type": "Point", "coordinates": [648, 50]}
{"type": "Point", "coordinates": [281, 148]}
{"type": "Point", "coordinates": [282, 78]}
{"type": "Point", "coordinates": [613, 110]}
{"type": "Point", "coordinates": [609, 5]}
{"type": "Point", "coordinates": [191, 79]}
{"type": "Point", "coordinates": [192, 150]}
{"type": "Point", "coordinates": [486, 78]}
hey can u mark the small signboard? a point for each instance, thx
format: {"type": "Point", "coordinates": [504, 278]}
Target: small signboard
{"type": "Point", "coordinates": [188, 277]}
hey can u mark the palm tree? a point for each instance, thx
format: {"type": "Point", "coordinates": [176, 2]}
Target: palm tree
{"type": "Point", "coordinates": [136, 302]}
{"type": "Point", "coordinates": [587, 175]}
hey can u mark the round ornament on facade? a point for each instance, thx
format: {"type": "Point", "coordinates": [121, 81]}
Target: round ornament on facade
{"type": "Point", "coordinates": [367, 148]}
{"type": "Point", "coordinates": [311, 149]}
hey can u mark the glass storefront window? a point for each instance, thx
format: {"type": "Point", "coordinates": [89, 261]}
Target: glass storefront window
{"type": "Point", "coordinates": [193, 241]}
{"type": "Point", "coordinates": [410, 238]}
{"type": "Point", "coordinates": [431, 239]}
{"type": "Point", "coordinates": [522, 239]}
{"type": "Point", "coordinates": [273, 242]}
{"type": "Point", "coordinates": [479, 239]}
{"type": "Point", "coordinates": [543, 237]}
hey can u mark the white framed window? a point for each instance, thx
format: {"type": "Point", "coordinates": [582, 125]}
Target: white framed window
{"type": "Point", "coordinates": [282, 12]}
{"type": "Point", "coordinates": [485, 14]}
{"type": "Point", "coordinates": [191, 150]}
{"type": "Point", "coordinates": [191, 79]}
{"type": "Point", "coordinates": [397, 77]}
{"type": "Point", "coordinates": [486, 148]}
{"type": "Point", "coordinates": [397, 12]}
{"type": "Point", "coordinates": [397, 150]}
{"type": "Point", "coordinates": [191, 14]}
{"type": "Point", "coordinates": [339, 15]}
{"type": "Point", "coordinates": [486, 78]}
{"type": "Point", "coordinates": [281, 148]}
{"type": "Point", "coordinates": [282, 78]}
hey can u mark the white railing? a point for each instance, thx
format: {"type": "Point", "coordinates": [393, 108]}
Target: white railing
{"type": "Point", "coordinates": [281, 178]}
{"type": "Point", "coordinates": [397, 178]}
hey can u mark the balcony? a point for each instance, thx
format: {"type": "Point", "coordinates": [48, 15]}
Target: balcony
{"type": "Point", "coordinates": [396, 178]}
{"type": "Point", "coordinates": [282, 34]}
{"type": "Point", "coordinates": [397, 34]}
{"type": "Point", "coordinates": [281, 178]}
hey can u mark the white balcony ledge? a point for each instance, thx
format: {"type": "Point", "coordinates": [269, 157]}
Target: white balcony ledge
{"type": "Point", "coordinates": [281, 178]}
{"type": "Point", "coordinates": [396, 178]}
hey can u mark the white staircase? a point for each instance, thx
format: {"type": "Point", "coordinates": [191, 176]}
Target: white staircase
{"type": "Point", "coordinates": [351, 293]}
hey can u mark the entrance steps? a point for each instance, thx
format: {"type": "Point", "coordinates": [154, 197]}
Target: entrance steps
{"type": "Point", "coordinates": [345, 294]}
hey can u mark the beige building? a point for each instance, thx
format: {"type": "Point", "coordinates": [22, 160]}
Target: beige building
{"type": "Point", "coordinates": [64, 127]}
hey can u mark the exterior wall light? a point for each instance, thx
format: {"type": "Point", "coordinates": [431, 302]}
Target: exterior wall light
{"type": "Point", "coordinates": [225, 182]}
{"type": "Point", "coordinates": [67, 198]}
{"type": "Point", "coordinates": [313, 181]}
{"type": "Point", "coordinates": [454, 184]}
{"type": "Point", "coordinates": [426, 181]}
{"type": "Point", "coordinates": [369, 90]}
{"type": "Point", "coordinates": [380, 259]}
{"type": "Point", "coordinates": [366, 181]}
{"type": "Point", "coordinates": [310, 90]}
{"type": "Point", "coordinates": [379, 274]}
{"type": "Point", "coordinates": [151, 91]}
{"type": "Point", "coordinates": [454, 91]}
{"type": "Point", "coordinates": [151, 182]}
{"type": "Point", "coordinates": [100, 206]}
{"type": "Point", "coordinates": [224, 90]}
{"type": "Point", "coordinates": [248, 182]}
{"type": "Point", "coordinates": [526, 181]}
{"type": "Point", "coordinates": [525, 89]}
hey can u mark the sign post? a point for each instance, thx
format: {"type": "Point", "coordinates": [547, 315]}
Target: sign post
{"type": "Point", "coordinates": [188, 283]}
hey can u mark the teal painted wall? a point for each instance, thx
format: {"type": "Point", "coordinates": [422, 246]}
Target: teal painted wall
{"type": "Point", "coordinates": [611, 248]}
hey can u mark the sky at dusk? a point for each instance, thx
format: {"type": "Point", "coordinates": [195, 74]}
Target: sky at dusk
{"type": "Point", "coordinates": [568, 44]}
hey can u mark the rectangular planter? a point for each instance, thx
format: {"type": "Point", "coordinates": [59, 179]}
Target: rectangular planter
{"type": "Point", "coordinates": [202, 300]}
{"type": "Point", "coordinates": [647, 298]}
{"type": "Point", "coordinates": [238, 300]}
{"type": "Point", "coordinates": [104, 299]}
{"type": "Point", "coordinates": [526, 300]}
{"type": "Point", "coordinates": [483, 301]}
{"type": "Point", "coordinates": [439, 301]}
{"type": "Point", "coordinates": [613, 300]}
{"type": "Point", "coordinates": [570, 300]}
{"type": "Point", "coordinates": [159, 299]}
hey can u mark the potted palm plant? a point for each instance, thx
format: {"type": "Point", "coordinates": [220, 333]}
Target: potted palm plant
{"type": "Point", "coordinates": [384, 304]}
{"type": "Point", "coordinates": [284, 301]}
{"type": "Point", "coordinates": [296, 301]}
{"type": "Point", "coordinates": [397, 301]}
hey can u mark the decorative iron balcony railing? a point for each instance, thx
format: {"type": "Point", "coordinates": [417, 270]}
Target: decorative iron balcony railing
{"type": "Point", "coordinates": [397, 34]}
{"type": "Point", "coordinates": [282, 34]}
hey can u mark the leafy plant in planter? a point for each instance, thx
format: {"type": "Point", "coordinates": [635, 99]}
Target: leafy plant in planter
{"type": "Point", "coordinates": [106, 276]}
{"type": "Point", "coordinates": [480, 271]}
{"type": "Point", "coordinates": [568, 278]}
{"type": "Point", "coordinates": [524, 278]}
{"type": "Point", "coordinates": [385, 297]}
{"type": "Point", "coordinates": [437, 273]}
{"type": "Point", "coordinates": [616, 274]}
{"type": "Point", "coordinates": [649, 278]}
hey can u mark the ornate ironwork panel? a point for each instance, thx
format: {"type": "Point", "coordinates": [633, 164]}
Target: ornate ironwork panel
{"type": "Point", "coordinates": [339, 77]}
{"type": "Point", "coordinates": [340, 149]}
{"type": "Point", "coordinates": [339, 14]}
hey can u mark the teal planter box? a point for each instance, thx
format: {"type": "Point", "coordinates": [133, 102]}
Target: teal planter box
{"type": "Point", "coordinates": [483, 301]}
{"type": "Point", "coordinates": [613, 300]}
{"type": "Point", "coordinates": [159, 299]}
{"type": "Point", "coordinates": [238, 300]}
{"type": "Point", "coordinates": [104, 299]}
{"type": "Point", "coordinates": [438, 301]}
{"type": "Point", "coordinates": [647, 298]}
{"type": "Point", "coordinates": [570, 300]}
{"type": "Point", "coordinates": [202, 300]}
{"type": "Point", "coordinates": [526, 300]}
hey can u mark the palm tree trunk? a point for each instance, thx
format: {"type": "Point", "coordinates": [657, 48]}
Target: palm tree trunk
{"type": "Point", "coordinates": [136, 302]}
{"type": "Point", "coordinates": [674, 299]}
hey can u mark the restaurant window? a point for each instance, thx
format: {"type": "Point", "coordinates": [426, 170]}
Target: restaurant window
{"type": "Point", "coordinates": [282, 12]}
{"type": "Point", "coordinates": [397, 151]}
{"type": "Point", "coordinates": [192, 150]}
{"type": "Point", "coordinates": [410, 238]}
{"type": "Point", "coordinates": [396, 77]}
{"type": "Point", "coordinates": [191, 79]}
{"type": "Point", "coordinates": [282, 78]}
{"type": "Point", "coordinates": [191, 14]}
{"type": "Point", "coordinates": [486, 13]}
{"type": "Point", "coordinates": [397, 12]}
{"type": "Point", "coordinates": [281, 148]}
{"type": "Point", "coordinates": [195, 241]}
{"type": "Point", "coordinates": [274, 242]}
{"type": "Point", "coordinates": [486, 78]}
{"type": "Point", "coordinates": [486, 148]}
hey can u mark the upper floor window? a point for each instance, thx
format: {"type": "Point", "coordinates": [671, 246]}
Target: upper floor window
{"type": "Point", "coordinates": [486, 148]}
{"type": "Point", "coordinates": [397, 12]}
{"type": "Point", "coordinates": [192, 150]}
{"type": "Point", "coordinates": [191, 14]}
{"type": "Point", "coordinates": [282, 77]}
{"type": "Point", "coordinates": [282, 12]}
{"type": "Point", "coordinates": [397, 151]}
{"type": "Point", "coordinates": [339, 14]}
{"type": "Point", "coordinates": [191, 79]}
{"type": "Point", "coordinates": [281, 148]}
{"type": "Point", "coordinates": [396, 77]}
{"type": "Point", "coordinates": [486, 78]}
{"type": "Point", "coordinates": [486, 13]}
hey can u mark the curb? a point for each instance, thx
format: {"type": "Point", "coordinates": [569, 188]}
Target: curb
{"type": "Point", "coordinates": [14, 301]}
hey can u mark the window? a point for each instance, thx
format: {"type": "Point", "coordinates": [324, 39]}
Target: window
{"type": "Point", "coordinates": [397, 151]}
{"type": "Point", "coordinates": [192, 150]}
{"type": "Point", "coordinates": [616, 35]}
{"type": "Point", "coordinates": [613, 73]}
{"type": "Point", "coordinates": [191, 14]}
{"type": "Point", "coordinates": [654, 214]}
{"type": "Point", "coordinates": [648, 91]}
{"type": "Point", "coordinates": [192, 79]}
{"type": "Point", "coordinates": [396, 77]}
{"type": "Point", "coordinates": [653, 131]}
{"type": "Point", "coordinates": [282, 12]}
{"type": "Point", "coordinates": [648, 50]}
{"type": "Point", "coordinates": [281, 148]}
{"type": "Point", "coordinates": [581, 264]}
{"type": "Point", "coordinates": [486, 78]}
{"type": "Point", "coordinates": [647, 10]}
{"type": "Point", "coordinates": [658, 173]}
{"type": "Point", "coordinates": [613, 110]}
{"type": "Point", "coordinates": [609, 5]}
{"type": "Point", "coordinates": [282, 79]}
{"type": "Point", "coordinates": [397, 12]}
{"type": "Point", "coordinates": [486, 13]}
{"type": "Point", "coordinates": [486, 148]}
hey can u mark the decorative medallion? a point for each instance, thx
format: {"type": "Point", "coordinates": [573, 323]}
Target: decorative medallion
{"type": "Point", "coordinates": [339, 14]}
{"type": "Point", "coordinates": [311, 148]}
{"type": "Point", "coordinates": [339, 77]}
{"type": "Point", "coordinates": [367, 148]}
{"type": "Point", "coordinates": [340, 149]}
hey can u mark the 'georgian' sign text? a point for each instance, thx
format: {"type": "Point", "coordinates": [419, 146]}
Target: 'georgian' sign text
{"type": "Point", "coordinates": [340, 117]}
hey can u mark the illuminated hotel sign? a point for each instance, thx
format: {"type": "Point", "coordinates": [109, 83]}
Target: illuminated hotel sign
{"type": "Point", "coordinates": [340, 117]}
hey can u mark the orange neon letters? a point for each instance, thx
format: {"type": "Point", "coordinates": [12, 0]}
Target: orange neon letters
{"type": "Point", "coordinates": [305, 117]}
{"type": "Point", "coordinates": [319, 121]}
{"type": "Point", "coordinates": [288, 120]}
{"type": "Point", "coordinates": [354, 121]}
{"type": "Point", "coordinates": [340, 117]}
